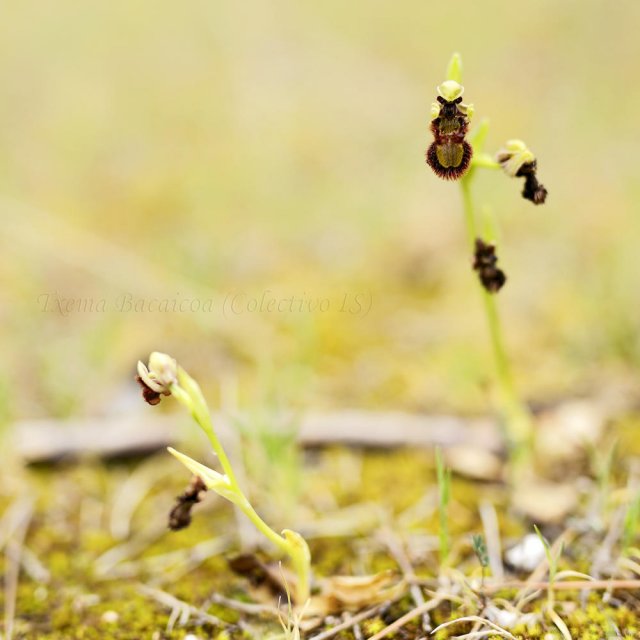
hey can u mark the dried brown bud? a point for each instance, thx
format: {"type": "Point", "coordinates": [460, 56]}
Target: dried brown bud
{"type": "Point", "coordinates": [180, 516]}
{"type": "Point", "coordinates": [533, 190]}
{"type": "Point", "coordinates": [485, 262]}
{"type": "Point", "coordinates": [150, 396]}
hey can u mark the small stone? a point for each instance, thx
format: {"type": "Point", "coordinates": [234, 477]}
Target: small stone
{"type": "Point", "coordinates": [510, 618]}
{"type": "Point", "coordinates": [110, 617]}
{"type": "Point", "coordinates": [527, 554]}
{"type": "Point", "coordinates": [474, 463]}
{"type": "Point", "coordinates": [543, 501]}
{"type": "Point", "coordinates": [569, 430]}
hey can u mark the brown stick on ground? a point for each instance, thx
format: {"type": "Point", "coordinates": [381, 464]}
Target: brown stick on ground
{"type": "Point", "coordinates": [347, 624]}
{"type": "Point", "coordinates": [13, 551]}
{"type": "Point", "coordinates": [406, 618]}
{"type": "Point", "coordinates": [48, 439]}
{"type": "Point", "coordinates": [561, 585]}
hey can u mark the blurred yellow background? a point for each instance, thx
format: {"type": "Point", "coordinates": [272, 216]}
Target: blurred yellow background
{"type": "Point", "coordinates": [218, 151]}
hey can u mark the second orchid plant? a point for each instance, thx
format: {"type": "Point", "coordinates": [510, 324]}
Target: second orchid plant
{"type": "Point", "coordinates": [452, 156]}
{"type": "Point", "coordinates": [164, 377]}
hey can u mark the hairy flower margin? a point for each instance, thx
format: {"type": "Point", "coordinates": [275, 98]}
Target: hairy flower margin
{"type": "Point", "coordinates": [163, 376]}
{"type": "Point", "coordinates": [449, 155]}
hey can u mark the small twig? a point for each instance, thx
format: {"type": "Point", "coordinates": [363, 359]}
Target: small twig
{"type": "Point", "coordinates": [419, 510]}
{"type": "Point", "coordinates": [10, 521]}
{"type": "Point", "coordinates": [249, 608]}
{"type": "Point", "coordinates": [131, 493]}
{"type": "Point", "coordinates": [602, 558]}
{"type": "Point", "coordinates": [560, 623]}
{"type": "Point", "coordinates": [397, 551]}
{"type": "Point", "coordinates": [496, 629]}
{"type": "Point", "coordinates": [566, 585]}
{"type": "Point", "coordinates": [357, 631]}
{"type": "Point", "coordinates": [33, 567]}
{"type": "Point", "coordinates": [347, 624]}
{"type": "Point", "coordinates": [190, 560]}
{"type": "Point", "coordinates": [573, 585]}
{"type": "Point", "coordinates": [167, 567]}
{"type": "Point", "coordinates": [184, 608]}
{"type": "Point", "coordinates": [406, 618]}
{"type": "Point", "coordinates": [344, 522]}
{"type": "Point", "coordinates": [628, 563]}
{"type": "Point", "coordinates": [561, 541]}
{"type": "Point", "coordinates": [477, 635]}
{"type": "Point", "coordinates": [47, 439]}
{"type": "Point", "coordinates": [492, 536]}
{"type": "Point", "coordinates": [24, 511]}
{"type": "Point", "coordinates": [445, 597]}
{"type": "Point", "coordinates": [105, 564]}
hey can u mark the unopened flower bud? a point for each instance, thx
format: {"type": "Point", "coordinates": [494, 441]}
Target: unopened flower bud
{"type": "Point", "coordinates": [157, 378]}
{"type": "Point", "coordinates": [485, 262]}
{"type": "Point", "coordinates": [180, 516]}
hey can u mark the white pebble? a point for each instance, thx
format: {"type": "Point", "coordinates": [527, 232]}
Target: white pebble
{"type": "Point", "coordinates": [527, 554]}
{"type": "Point", "coordinates": [110, 617]}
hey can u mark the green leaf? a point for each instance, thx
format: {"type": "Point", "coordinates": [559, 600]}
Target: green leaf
{"type": "Point", "coordinates": [479, 135]}
{"type": "Point", "coordinates": [213, 480]}
{"type": "Point", "coordinates": [454, 69]}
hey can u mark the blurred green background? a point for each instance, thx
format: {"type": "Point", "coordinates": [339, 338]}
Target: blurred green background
{"type": "Point", "coordinates": [218, 151]}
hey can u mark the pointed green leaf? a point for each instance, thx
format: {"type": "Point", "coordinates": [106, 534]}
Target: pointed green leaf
{"type": "Point", "coordinates": [213, 480]}
{"type": "Point", "coordinates": [479, 135]}
{"type": "Point", "coordinates": [454, 69]}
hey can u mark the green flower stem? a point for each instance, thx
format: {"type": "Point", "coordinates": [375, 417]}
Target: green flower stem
{"type": "Point", "coordinates": [196, 404]}
{"type": "Point", "coordinates": [517, 418]}
{"type": "Point", "coordinates": [515, 415]}
{"type": "Point", "coordinates": [484, 160]}
{"type": "Point", "coordinates": [467, 204]}
{"type": "Point", "coordinates": [187, 392]}
{"type": "Point", "coordinates": [444, 494]}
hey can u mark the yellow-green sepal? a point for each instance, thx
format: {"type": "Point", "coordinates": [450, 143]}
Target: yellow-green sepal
{"type": "Point", "coordinates": [213, 480]}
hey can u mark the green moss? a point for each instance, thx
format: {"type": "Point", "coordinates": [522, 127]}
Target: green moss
{"type": "Point", "coordinates": [71, 530]}
{"type": "Point", "coordinates": [373, 626]}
